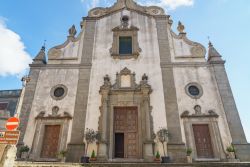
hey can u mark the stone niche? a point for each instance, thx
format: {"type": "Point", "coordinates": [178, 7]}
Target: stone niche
{"type": "Point", "coordinates": [125, 92]}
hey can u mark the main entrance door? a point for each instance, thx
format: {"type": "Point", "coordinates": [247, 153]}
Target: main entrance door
{"type": "Point", "coordinates": [203, 141]}
{"type": "Point", "coordinates": [126, 132]}
{"type": "Point", "coordinates": [50, 141]}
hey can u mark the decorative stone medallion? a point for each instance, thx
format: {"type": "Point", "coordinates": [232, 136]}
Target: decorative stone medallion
{"type": "Point", "coordinates": [197, 51]}
{"type": "Point", "coordinates": [154, 10]}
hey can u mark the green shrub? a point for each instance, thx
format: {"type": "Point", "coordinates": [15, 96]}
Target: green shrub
{"type": "Point", "coordinates": [24, 149]}
{"type": "Point", "coordinates": [157, 156]}
{"type": "Point", "coordinates": [231, 149]}
{"type": "Point", "coordinates": [93, 154]}
{"type": "Point", "coordinates": [189, 151]}
{"type": "Point", "coordinates": [62, 154]}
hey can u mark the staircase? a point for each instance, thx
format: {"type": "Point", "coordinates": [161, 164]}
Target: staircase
{"type": "Point", "coordinates": [58, 164]}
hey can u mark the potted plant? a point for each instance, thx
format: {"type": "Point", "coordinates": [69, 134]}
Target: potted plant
{"type": "Point", "coordinates": [24, 151]}
{"type": "Point", "coordinates": [231, 151]}
{"type": "Point", "coordinates": [157, 157]}
{"type": "Point", "coordinates": [62, 155]}
{"type": "Point", "coordinates": [162, 136]}
{"type": "Point", "coordinates": [189, 157]}
{"type": "Point", "coordinates": [93, 156]}
{"type": "Point", "coordinates": [90, 136]}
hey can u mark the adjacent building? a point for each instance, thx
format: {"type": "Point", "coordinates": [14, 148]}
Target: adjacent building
{"type": "Point", "coordinates": [127, 74]}
{"type": "Point", "coordinates": [8, 104]}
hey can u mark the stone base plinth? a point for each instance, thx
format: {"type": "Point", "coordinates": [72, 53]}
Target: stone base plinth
{"type": "Point", "coordinates": [177, 152]}
{"type": "Point", "coordinates": [44, 164]}
{"type": "Point", "coordinates": [243, 152]}
{"type": "Point", "coordinates": [75, 152]}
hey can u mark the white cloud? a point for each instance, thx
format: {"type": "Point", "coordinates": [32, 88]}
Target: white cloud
{"type": "Point", "coordinates": [167, 4]}
{"type": "Point", "coordinates": [91, 3]}
{"type": "Point", "coordinates": [14, 59]}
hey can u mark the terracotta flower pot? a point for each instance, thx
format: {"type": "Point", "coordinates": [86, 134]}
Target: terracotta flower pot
{"type": "Point", "coordinates": [189, 159]}
{"type": "Point", "coordinates": [24, 155]}
{"type": "Point", "coordinates": [93, 159]}
{"type": "Point", "coordinates": [157, 160]}
{"type": "Point", "coordinates": [231, 155]}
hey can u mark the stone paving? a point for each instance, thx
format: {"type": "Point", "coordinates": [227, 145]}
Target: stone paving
{"type": "Point", "coordinates": [58, 164]}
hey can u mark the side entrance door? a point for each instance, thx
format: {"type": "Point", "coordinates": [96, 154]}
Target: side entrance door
{"type": "Point", "coordinates": [126, 132]}
{"type": "Point", "coordinates": [203, 141]}
{"type": "Point", "coordinates": [50, 141]}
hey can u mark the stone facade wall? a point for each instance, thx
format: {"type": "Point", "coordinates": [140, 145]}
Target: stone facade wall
{"type": "Point", "coordinates": [148, 62]}
{"type": "Point", "coordinates": [48, 78]}
{"type": "Point", "coordinates": [210, 100]}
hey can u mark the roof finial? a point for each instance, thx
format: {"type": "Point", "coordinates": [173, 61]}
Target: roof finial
{"type": "Point", "coordinates": [213, 54]}
{"type": "Point", "coordinates": [180, 28]}
{"type": "Point", "coordinates": [44, 45]}
{"type": "Point", "coordinates": [40, 57]}
{"type": "Point", "coordinates": [72, 31]}
{"type": "Point", "coordinates": [209, 42]}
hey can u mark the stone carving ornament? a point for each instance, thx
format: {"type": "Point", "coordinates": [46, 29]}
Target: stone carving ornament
{"type": "Point", "coordinates": [126, 4]}
{"type": "Point", "coordinates": [197, 51]}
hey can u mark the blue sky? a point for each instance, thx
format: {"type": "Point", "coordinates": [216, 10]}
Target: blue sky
{"type": "Point", "coordinates": [24, 25]}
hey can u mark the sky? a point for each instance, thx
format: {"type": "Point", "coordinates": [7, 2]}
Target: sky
{"type": "Point", "coordinates": [25, 24]}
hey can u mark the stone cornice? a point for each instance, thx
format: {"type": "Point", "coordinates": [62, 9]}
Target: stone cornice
{"type": "Point", "coordinates": [62, 66]}
{"type": "Point", "coordinates": [184, 64]}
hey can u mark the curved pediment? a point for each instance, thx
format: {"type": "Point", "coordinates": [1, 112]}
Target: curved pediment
{"type": "Point", "coordinates": [126, 4]}
{"type": "Point", "coordinates": [67, 50]}
{"type": "Point", "coordinates": [195, 49]}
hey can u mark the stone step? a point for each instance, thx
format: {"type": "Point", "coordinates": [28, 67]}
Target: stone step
{"type": "Point", "coordinates": [116, 164]}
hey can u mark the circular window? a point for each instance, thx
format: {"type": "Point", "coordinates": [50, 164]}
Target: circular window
{"type": "Point", "coordinates": [58, 92]}
{"type": "Point", "coordinates": [194, 90]}
{"type": "Point", "coordinates": [125, 18]}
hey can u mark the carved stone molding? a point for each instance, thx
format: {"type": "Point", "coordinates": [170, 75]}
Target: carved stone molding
{"type": "Point", "coordinates": [121, 31]}
{"type": "Point", "coordinates": [197, 50]}
{"type": "Point", "coordinates": [42, 115]}
{"type": "Point", "coordinates": [209, 118]}
{"type": "Point", "coordinates": [133, 95]}
{"type": "Point", "coordinates": [42, 121]}
{"type": "Point", "coordinates": [55, 52]}
{"type": "Point", "coordinates": [126, 4]}
{"type": "Point", "coordinates": [198, 114]}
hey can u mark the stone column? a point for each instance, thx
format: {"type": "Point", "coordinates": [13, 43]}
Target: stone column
{"type": "Point", "coordinates": [76, 146]}
{"type": "Point", "coordinates": [176, 147]}
{"type": "Point", "coordinates": [232, 115]}
{"type": "Point", "coordinates": [146, 112]}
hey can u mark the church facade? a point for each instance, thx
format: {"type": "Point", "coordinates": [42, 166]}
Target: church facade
{"type": "Point", "coordinates": [126, 75]}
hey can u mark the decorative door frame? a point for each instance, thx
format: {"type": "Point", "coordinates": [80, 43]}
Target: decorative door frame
{"type": "Point", "coordinates": [134, 95]}
{"type": "Point", "coordinates": [211, 119]}
{"type": "Point", "coordinates": [41, 121]}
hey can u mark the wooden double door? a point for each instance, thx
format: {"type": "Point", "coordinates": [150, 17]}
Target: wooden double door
{"type": "Point", "coordinates": [50, 141]}
{"type": "Point", "coordinates": [203, 141]}
{"type": "Point", "coordinates": [126, 132]}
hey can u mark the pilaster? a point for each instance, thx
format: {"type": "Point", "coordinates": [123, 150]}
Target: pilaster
{"type": "Point", "coordinates": [176, 148]}
{"type": "Point", "coordinates": [76, 145]}
{"type": "Point", "coordinates": [27, 104]}
{"type": "Point", "coordinates": [232, 115]}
